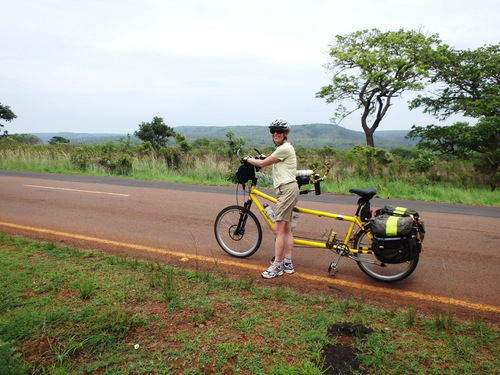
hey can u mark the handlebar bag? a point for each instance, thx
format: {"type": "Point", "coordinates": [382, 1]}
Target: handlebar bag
{"type": "Point", "coordinates": [246, 172]}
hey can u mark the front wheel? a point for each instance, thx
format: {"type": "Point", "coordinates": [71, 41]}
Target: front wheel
{"type": "Point", "coordinates": [377, 270]}
{"type": "Point", "coordinates": [238, 233]}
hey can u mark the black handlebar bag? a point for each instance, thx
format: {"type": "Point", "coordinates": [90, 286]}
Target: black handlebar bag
{"type": "Point", "coordinates": [245, 173]}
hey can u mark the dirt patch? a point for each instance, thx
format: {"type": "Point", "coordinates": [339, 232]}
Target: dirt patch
{"type": "Point", "coordinates": [342, 358]}
{"type": "Point", "coordinates": [349, 330]}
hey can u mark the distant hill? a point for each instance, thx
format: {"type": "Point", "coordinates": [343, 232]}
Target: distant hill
{"type": "Point", "coordinates": [308, 136]}
{"type": "Point", "coordinates": [89, 138]}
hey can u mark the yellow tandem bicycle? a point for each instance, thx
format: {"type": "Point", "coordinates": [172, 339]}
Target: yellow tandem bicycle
{"type": "Point", "coordinates": [239, 233]}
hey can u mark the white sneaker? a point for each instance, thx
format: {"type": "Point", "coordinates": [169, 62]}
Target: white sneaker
{"type": "Point", "coordinates": [275, 269]}
{"type": "Point", "coordinates": [288, 268]}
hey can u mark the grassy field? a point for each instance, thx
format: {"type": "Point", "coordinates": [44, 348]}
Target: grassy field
{"type": "Point", "coordinates": [66, 311]}
{"type": "Point", "coordinates": [213, 170]}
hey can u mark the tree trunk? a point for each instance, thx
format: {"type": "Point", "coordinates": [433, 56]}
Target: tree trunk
{"type": "Point", "coordinates": [370, 165]}
{"type": "Point", "coordinates": [492, 179]}
{"type": "Point", "coordinates": [369, 138]}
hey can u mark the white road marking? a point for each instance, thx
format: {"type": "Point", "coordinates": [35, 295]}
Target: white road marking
{"type": "Point", "coordinates": [76, 190]}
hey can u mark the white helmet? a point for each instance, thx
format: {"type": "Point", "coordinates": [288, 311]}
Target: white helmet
{"type": "Point", "coordinates": [280, 123]}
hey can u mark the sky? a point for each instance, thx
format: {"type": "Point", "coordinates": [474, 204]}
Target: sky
{"type": "Point", "coordinates": [107, 66]}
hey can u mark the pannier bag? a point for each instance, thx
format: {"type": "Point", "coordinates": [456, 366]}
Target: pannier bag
{"type": "Point", "coordinates": [397, 232]}
{"type": "Point", "coordinates": [399, 223]}
{"type": "Point", "coordinates": [394, 250]}
{"type": "Point", "coordinates": [386, 225]}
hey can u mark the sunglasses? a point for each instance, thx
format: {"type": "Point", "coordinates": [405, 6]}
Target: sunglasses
{"type": "Point", "coordinates": [278, 131]}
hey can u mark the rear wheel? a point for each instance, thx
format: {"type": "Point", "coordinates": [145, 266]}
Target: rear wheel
{"type": "Point", "coordinates": [377, 270]}
{"type": "Point", "coordinates": [238, 234]}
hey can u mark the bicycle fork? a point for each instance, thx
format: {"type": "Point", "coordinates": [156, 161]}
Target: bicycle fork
{"type": "Point", "coordinates": [240, 228]}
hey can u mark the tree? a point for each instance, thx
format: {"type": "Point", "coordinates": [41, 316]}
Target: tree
{"type": "Point", "coordinates": [443, 140]}
{"type": "Point", "coordinates": [155, 132]}
{"type": "Point", "coordinates": [26, 139]}
{"type": "Point", "coordinates": [233, 143]}
{"type": "Point", "coordinates": [468, 82]}
{"type": "Point", "coordinates": [380, 67]}
{"type": "Point", "coordinates": [460, 139]}
{"type": "Point", "coordinates": [484, 138]}
{"type": "Point", "coordinates": [56, 140]}
{"type": "Point", "coordinates": [7, 115]}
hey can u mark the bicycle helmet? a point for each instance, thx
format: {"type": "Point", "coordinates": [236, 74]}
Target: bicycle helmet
{"type": "Point", "coordinates": [280, 124]}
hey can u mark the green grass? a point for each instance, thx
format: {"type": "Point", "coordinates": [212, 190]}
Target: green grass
{"type": "Point", "coordinates": [65, 311]}
{"type": "Point", "coordinates": [419, 190]}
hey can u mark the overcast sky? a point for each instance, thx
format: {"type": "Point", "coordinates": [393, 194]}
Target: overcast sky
{"type": "Point", "coordinates": [106, 66]}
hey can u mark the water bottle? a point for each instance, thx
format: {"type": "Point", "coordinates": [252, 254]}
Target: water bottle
{"type": "Point", "coordinates": [269, 212]}
{"type": "Point", "coordinates": [295, 219]}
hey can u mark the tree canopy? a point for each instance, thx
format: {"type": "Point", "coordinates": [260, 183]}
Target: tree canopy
{"type": "Point", "coordinates": [56, 140]}
{"type": "Point", "coordinates": [26, 139]}
{"type": "Point", "coordinates": [155, 132]}
{"type": "Point", "coordinates": [443, 140]}
{"type": "Point", "coordinates": [371, 67]}
{"type": "Point", "coordinates": [466, 82]}
{"type": "Point", "coordinates": [6, 114]}
{"type": "Point", "coordinates": [461, 139]}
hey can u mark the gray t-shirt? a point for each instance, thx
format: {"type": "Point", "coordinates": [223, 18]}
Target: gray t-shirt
{"type": "Point", "coordinates": [285, 170]}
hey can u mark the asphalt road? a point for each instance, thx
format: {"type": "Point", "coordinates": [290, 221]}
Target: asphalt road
{"type": "Point", "coordinates": [173, 223]}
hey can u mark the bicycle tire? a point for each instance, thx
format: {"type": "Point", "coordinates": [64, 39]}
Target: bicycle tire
{"type": "Point", "coordinates": [240, 245]}
{"type": "Point", "coordinates": [377, 270]}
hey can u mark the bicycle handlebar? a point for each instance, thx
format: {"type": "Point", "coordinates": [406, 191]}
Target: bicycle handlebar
{"type": "Point", "coordinates": [314, 179]}
{"type": "Point", "coordinates": [244, 160]}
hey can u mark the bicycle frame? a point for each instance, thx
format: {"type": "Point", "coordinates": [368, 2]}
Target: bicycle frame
{"type": "Point", "coordinates": [239, 233]}
{"type": "Point", "coordinates": [337, 246]}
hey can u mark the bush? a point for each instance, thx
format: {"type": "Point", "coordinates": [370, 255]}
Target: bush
{"type": "Point", "coordinates": [172, 156]}
{"type": "Point", "coordinates": [404, 153]}
{"type": "Point", "coordinates": [81, 158]}
{"type": "Point", "coordinates": [424, 163]}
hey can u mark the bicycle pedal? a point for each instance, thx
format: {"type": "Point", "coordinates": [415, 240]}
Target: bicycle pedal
{"type": "Point", "coordinates": [332, 267]}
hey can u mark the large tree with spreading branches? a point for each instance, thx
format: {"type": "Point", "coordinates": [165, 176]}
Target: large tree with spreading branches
{"type": "Point", "coordinates": [370, 68]}
{"type": "Point", "coordinates": [468, 83]}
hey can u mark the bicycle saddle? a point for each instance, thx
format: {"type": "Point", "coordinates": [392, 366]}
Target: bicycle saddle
{"type": "Point", "coordinates": [365, 193]}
